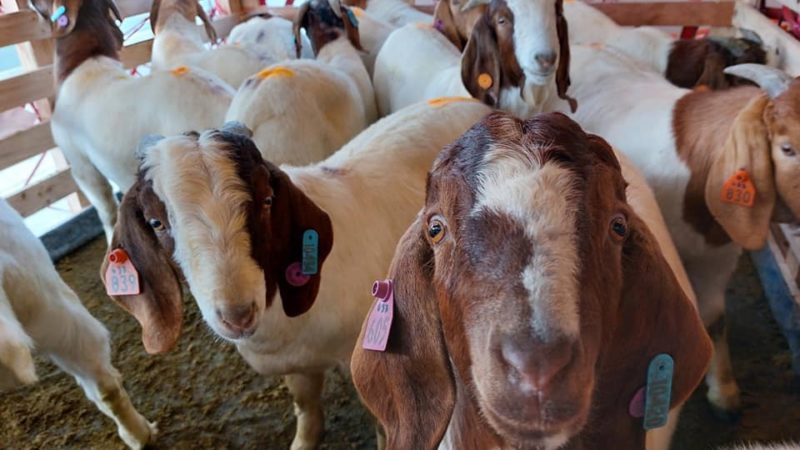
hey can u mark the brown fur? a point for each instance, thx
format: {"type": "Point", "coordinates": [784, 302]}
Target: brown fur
{"type": "Point", "coordinates": [454, 23]}
{"type": "Point", "coordinates": [695, 62]}
{"type": "Point", "coordinates": [631, 306]}
{"type": "Point", "coordinates": [162, 10]}
{"type": "Point", "coordinates": [323, 26]}
{"type": "Point", "coordinates": [94, 34]}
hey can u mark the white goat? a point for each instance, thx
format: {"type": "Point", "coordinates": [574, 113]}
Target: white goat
{"type": "Point", "coordinates": [252, 45]}
{"type": "Point", "coordinates": [236, 224]}
{"type": "Point", "coordinates": [38, 311]}
{"type": "Point", "coordinates": [695, 148]}
{"type": "Point", "coordinates": [101, 111]}
{"type": "Point", "coordinates": [418, 62]}
{"type": "Point", "coordinates": [393, 12]}
{"type": "Point", "coordinates": [302, 111]}
{"type": "Point", "coordinates": [373, 33]}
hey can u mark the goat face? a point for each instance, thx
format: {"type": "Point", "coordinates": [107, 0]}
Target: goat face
{"type": "Point", "coordinates": [162, 10]}
{"type": "Point", "coordinates": [325, 21]}
{"type": "Point", "coordinates": [207, 208]}
{"type": "Point", "coordinates": [97, 15]}
{"type": "Point", "coordinates": [529, 282]}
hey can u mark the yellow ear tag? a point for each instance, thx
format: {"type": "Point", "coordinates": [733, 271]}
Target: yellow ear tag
{"type": "Point", "coordinates": [597, 45]}
{"type": "Point", "coordinates": [357, 11]}
{"type": "Point", "coordinates": [485, 81]}
{"type": "Point", "coordinates": [441, 101]}
{"type": "Point", "coordinates": [739, 189]}
{"type": "Point", "coordinates": [181, 70]}
{"type": "Point", "coordinates": [277, 71]}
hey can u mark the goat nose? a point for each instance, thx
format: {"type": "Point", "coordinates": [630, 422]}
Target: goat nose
{"type": "Point", "coordinates": [535, 362]}
{"type": "Point", "coordinates": [238, 317]}
{"type": "Point", "coordinates": [546, 60]}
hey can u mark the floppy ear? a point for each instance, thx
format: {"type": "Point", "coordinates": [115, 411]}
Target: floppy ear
{"type": "Point", "coordinates": [297, 24]}
{"type": "Point", "coordinates": [210, 31]}
{"type": "Point", "coordinates": [72, 7]}
{"type": "Point", "coordinates": [562, 71]}
{"type": "Point", "coordinates": [112, 7]}
{"type": "Point", "coordinates": [747, 147]}
{"type": "Point", "coordinates": [351, 27]}
{"type": "Point", "coordinates": [154, 8]}
{"type": "Point", "coordinates": [409, 387]}
{"type": "Point", "coordinates": [159, 306]}
{"type": "Point", "coordinates": [713, 74]}
{"type": "Point", "coordinates": [444, 22]}
{"type": "Point", "coordinates": [480, 64]}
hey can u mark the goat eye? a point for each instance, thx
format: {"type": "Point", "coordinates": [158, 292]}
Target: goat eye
{"type": "Point", "coordinates": [787, 150]}
{"type": "Point", "coordinates": [619, 227]}
{"type": "Point", "coordinates": [501, 21]}
{"type": "Point", "coordinates": [436, 231]}
{"type": "Point", "coordinates": [156, 224]}
{"type": "Point", "coordinates": [268, 201]}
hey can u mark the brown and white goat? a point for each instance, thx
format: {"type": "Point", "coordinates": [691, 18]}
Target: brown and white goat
{"type": "Point", "coordinates": [210, 211]}
{"type": "Point", "coordinates": [529, 300]}
{"type": "Point", "coordinates": [517, 60]}
{"type": "Point", "coordinates": [696, 148]}
{"type": "Point", "coordinates": [102, 111]}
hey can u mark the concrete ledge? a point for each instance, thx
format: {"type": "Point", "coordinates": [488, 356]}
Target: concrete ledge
{"type": "Point", "coordinates": [73, 234]}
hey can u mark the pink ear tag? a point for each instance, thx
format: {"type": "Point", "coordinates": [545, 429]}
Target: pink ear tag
{"type": "Point", "coordinates": [379, 322]}
{"type": "Point", "coordinates": [295, 276]}
{"type": "Point", "coordinates": [121, 277]}
{"type": "Point", "coordinates": [636, 406]}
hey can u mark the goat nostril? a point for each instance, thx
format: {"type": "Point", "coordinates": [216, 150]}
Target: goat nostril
{"type": "Point", "coordinates": [546, 59]}
{"type": "Point", "coordinates": [536, 363]}
{"type": "Point", "coordinates": [240, 317]}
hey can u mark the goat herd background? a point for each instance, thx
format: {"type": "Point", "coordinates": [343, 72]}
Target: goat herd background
{"type": "Point", "coordinates": [547, 206]}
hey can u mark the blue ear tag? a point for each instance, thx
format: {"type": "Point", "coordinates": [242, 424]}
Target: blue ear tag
{"type": "Point", "coordinates": [352, 17]}
{"type": "Point", "coordinates": [310, 252]}
{"type": "Point", "coordinates": [60, 11]}
{"type": "Point", "coordinates": [659, 391]}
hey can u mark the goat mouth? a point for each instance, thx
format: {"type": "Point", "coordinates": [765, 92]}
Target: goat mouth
{"type": "Point", "coordinates": [539, 432]}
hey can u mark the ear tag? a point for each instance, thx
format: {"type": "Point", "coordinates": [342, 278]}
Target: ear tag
{"type": "Point", "coordinates": [485, 81]}
{"type": "Point", "coordinates": [438, 25]}
{"type": "Point", "coordinates": [739, 189]}
{"type": "Point", "coordinates": [310, 252]}
{"type": "Point", "coordinates": [658, 391]}
{"type": "Point", "coordinates": [60, 17]}
{"type": "Point", "coordinates": [295, 276]}
{"type": "Point", "coordinates": [351, 17]}
{"type": "Point", "coordinates": [379, 322]}
{"type": "Point", "coordinates": [121, 277]}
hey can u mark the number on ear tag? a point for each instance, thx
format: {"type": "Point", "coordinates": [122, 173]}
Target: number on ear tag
{"type": "Point", "coordinates": [310, 252]}
{"type": "Point", "coordinates": [121, 277]}
{"type": "Point", "coordinates": [739, 189]}
{"type": "Point", "coordinates": [659, 391]}
{"type": "Point", "coordinates": [379, 322]}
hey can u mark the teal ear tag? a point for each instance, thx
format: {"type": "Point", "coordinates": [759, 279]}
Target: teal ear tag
{"type": "Point", "coordinates": [659, 391]}
{"type": "Point", "coordinates": [352, 18]}
{"type": "Point", "coordinates": [310, 252]}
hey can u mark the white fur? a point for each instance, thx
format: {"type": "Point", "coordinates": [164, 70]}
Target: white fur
{"type": "Point", "coordinates": [775, 446]}
{"type": "Point", "coordinates": [371, 189]}
{"type": "Point", "coordinates": [38, 311]}
{"type": "Point", "coordinates": [397, 12]}
{"type": "Point", "coordinates": [373, 32]}
{"type": "Point", "coordinates": [251, 46]}
{"type": "Point", "coordinates": [304, 117]}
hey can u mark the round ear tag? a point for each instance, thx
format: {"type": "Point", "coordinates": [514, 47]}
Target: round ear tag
{"type": "Point", "coordinates": [295, 276]}
{"type": "Point", "coordinates": [485, 81]}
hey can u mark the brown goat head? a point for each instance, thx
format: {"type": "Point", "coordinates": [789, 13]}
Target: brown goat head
{"type": "Point", "coordinates": [455, 21]}
{"type": "Point", "coordinates": [529, 300]}
{"type": "Point", "coordinates": [64, 15]}
{"type": "Point", "coordinates": [209, 210]}
{"type": "Point", "coordinates": [695, 62]}
{"type": "Point", "coordinates": [324, 21]}
{"type": "Point", "coordinates": [162, 10]}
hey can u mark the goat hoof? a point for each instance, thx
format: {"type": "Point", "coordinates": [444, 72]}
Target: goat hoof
{"type": "Point", "coordinates": [142, 438]}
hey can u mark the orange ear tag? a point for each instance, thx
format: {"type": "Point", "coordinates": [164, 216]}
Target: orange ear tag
{"type": "Point", "coordinates": [739, 190]}
{"type": "Point", "coordinates": [121, 278]}
{"type": "Point", "coordinates": [441, 101]}
{"type": "Point", "coordinates": [357, 11]}
{"type": "Point", "coordinates": [277, 71]}
{"type": "Point", "coordinates": [485, 81]}
{"type": "Point", "coordinates": [181, 70]}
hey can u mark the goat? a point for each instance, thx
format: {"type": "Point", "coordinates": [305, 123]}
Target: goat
{"type": "Point", "coordinates": [179, 42]}
{"type": "Point", "coordinates": [302, 111]}
{"type": "Point", "coordinates": [530, 298]}
{"type": "Point", "coordinates": [516, 51]}
{"type": "Point", "coordinates": [98, 119]}
{"type": "Point", "coordinates": [209, 210]}
{"type": "Point", "coordinates": [696, 148]}
{"type": "Point", "coordinates": [756, 446]}
{"type": "Point", "coordinates": [684, 62]}
{"type": "Point", "coordinates": [373, 33]}
{"type": "Point", "coordinates": [394, 12]}
{"type": "Point", "coordinates": [39, 311]}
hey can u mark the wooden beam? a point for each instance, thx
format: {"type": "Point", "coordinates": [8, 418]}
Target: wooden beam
{"type": "Point", "coordinates": [27, 87]}
{"type": "Point", "coordinates": [129, 8]}
{"type": "Point", "coordinates": [718, 14]}
{"type": "Point", "coordinates": [42, 194]}
{"type": "Point", "coordinates": [22, 26]}
{"type": "Point", "coordinates": [136, 54]}
{"type": "Point", "coordinates": [24, 144]}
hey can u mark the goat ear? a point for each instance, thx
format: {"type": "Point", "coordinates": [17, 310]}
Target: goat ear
{"type": "Point", "coordinates": [210, 31]}
{"type": "Point", "coordinates": [655, 316]}
{"type": "Point", "coordinates": [112, 8]}
{"type": "Point", "coordinates": [159, 306]}
{"type": "Point", "coordinates": [154, 8]}
{"type": "Point", "coordinates": [480, 64]}
{"type": "Point", "coordinates": [297, 24]}
{"type": "Point", "coordinates": [562, 71]}
{"type": "Point", "coordinates": [409, 387]}
{"type": "Point", "coordinates": [713, 75]}
{"type": "Point", "coordinates": [351, 27]}
{"type": "Point", "coordinates": [747, 148]}
{"type": "Point", "coordinates": [293, 214]}
{"type": "Point", "coordinates": [444, 22]}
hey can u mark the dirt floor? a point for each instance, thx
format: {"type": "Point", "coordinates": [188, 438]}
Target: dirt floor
{"type": "Point", "coordinates": [204, 396]}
